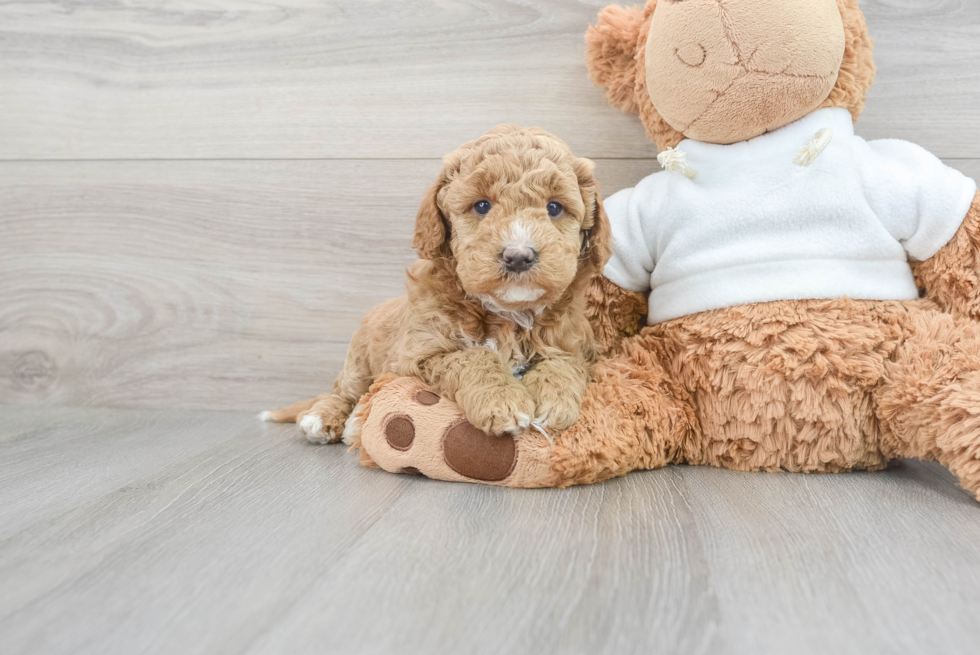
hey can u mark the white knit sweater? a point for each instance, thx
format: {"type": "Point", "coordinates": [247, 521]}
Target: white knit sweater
{"type": "Point", "coordinates": [755, 226]}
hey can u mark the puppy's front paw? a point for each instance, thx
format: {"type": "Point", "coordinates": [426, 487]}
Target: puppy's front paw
{"type": "Point", "coordinates": [499, 410]}
{"type": "Point", "coordinates": [313, 427]}
{"type": "Point", "coordinates": [325, 421]}
{"type": "Point", "coordinates": [558, 398]}
{"type": "Point", "coordinates": [558, 411]}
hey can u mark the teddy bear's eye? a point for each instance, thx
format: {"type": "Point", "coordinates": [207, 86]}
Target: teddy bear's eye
{"type": "Point", "coordinates": [555, 209]}
{"type": "Point", "coordinates": [692, 54]}
{"type": "Point", "coordinates": [482, 207]}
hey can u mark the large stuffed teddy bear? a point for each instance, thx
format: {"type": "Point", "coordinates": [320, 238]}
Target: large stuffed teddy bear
{"type": "Point", "coordinates": [813, 297]}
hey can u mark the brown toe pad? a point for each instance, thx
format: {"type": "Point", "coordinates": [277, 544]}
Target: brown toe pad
{"type": "Point", "coordinates": [475, 454]}
{"type": "Point", "coordinates": [400, 432]}
{"type": "Point", "coordinates": [426, 397]}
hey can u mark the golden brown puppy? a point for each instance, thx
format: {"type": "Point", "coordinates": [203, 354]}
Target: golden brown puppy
{"type": "Point", "coordinates": [508, 239]}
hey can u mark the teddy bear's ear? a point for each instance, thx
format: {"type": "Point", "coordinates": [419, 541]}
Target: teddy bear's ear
{"type": "Point", "coordinates": [857, 71]}
{"type": "Point", "coordinates": [611, 52]}
{"type": "Point", "coordinates": [430, 224]}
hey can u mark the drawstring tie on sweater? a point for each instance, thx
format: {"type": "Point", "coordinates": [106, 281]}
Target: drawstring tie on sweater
{"type": "Point", "coordinates": [675, 161]}
{"type": "Point", "coordinates": [809, 153]}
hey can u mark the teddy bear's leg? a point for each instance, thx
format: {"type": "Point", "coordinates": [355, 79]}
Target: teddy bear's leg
{"type": "Point", "coordinates": [929, 402]}
{"type": "Point", "coordinates": [633, 417]}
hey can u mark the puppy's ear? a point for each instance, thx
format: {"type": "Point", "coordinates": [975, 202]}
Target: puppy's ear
{"type": "Point", "coordinates": [596, 232]}
{"type": "Point", "coordinates": [599, 248]}
{"type": "Point", "coordinates": [430, 224]}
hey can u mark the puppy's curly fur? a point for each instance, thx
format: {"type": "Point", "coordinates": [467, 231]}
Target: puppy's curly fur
{"type": "Point", "coordinates": [510, 348]}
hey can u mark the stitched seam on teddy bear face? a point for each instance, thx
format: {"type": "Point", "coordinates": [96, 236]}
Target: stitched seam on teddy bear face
{"type": "Point", "coordinates": [742, 64]}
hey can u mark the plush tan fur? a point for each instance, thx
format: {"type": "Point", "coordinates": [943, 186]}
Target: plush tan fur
{"type": "Point", "coordinates": [467, 322]}
{"type": "Point", "coordinates": [811, 386]}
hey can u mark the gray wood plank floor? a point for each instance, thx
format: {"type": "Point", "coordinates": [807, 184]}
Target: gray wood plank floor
{"type": "Point", "coordinates": [125, 531]}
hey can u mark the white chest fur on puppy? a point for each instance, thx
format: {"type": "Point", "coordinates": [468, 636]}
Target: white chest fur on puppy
{"type": "Point", "coordinates": [760, 221]}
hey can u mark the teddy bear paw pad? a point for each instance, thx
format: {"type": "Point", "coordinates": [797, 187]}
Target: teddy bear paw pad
{"type": "Point", "coordinates": [473, 453]}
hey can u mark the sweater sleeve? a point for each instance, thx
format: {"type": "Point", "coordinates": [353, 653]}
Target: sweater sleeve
{"type": "Point", "coordinates": [918, 199]}
{"type": "Point", "coordinates": [632, 215]}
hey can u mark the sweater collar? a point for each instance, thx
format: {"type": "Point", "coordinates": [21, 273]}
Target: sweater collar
{"type": "Point", "coordinates": [785, 141]}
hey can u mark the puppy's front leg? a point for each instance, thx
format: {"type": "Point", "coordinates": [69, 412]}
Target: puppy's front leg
{"type": "Point", "coordinates": [483, 387]}
{"type": "Point", "coordinates": [557, 384]}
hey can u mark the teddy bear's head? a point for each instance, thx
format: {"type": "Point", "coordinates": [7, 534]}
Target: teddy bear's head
{"type": "Point", "coordinates": [724, 71]}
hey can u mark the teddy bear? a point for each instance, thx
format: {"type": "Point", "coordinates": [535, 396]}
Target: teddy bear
{"type": "Point", "coordinates": [783, 295]}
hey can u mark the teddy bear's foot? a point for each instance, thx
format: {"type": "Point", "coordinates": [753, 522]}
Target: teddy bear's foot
{"type": "Point", "coordinates": [403, 427]}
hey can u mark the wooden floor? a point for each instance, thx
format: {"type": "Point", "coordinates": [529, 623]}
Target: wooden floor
{"type": "Point", "coordinates": [198, 202]}
{"type": "Point", "coordinates": [125, 531]}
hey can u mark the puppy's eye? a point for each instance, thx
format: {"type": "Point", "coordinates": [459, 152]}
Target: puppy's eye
{"type": "Point", "coordinates": [482, 207]}
{"type": "Point", "coordinates": [555, 209]}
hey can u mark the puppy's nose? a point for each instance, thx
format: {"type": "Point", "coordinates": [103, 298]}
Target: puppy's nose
{"type": "Point", "coordinates": [518, 259]}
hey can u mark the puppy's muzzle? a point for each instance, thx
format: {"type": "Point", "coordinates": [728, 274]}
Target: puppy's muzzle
{"type": "Point", "coordinates": [517, 259]}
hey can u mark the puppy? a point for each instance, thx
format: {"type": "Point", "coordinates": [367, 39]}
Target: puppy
{"type": "Point", "coordinates": [508, 239]}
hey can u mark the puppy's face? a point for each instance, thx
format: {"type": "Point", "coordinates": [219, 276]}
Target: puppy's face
{"type": "Point", "coordinates": [516, 221]}
{"type": "Point", "coordinates": [521, 214]}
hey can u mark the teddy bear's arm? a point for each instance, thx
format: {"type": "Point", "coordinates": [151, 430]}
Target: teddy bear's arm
{"type": "Point", "coordinates": [615, 313]}
{"type": "Point", "coordinates": [951, 277]}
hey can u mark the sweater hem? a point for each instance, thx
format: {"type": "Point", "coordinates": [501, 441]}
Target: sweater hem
{"type": "Point", "coordinates": [787, 280]}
